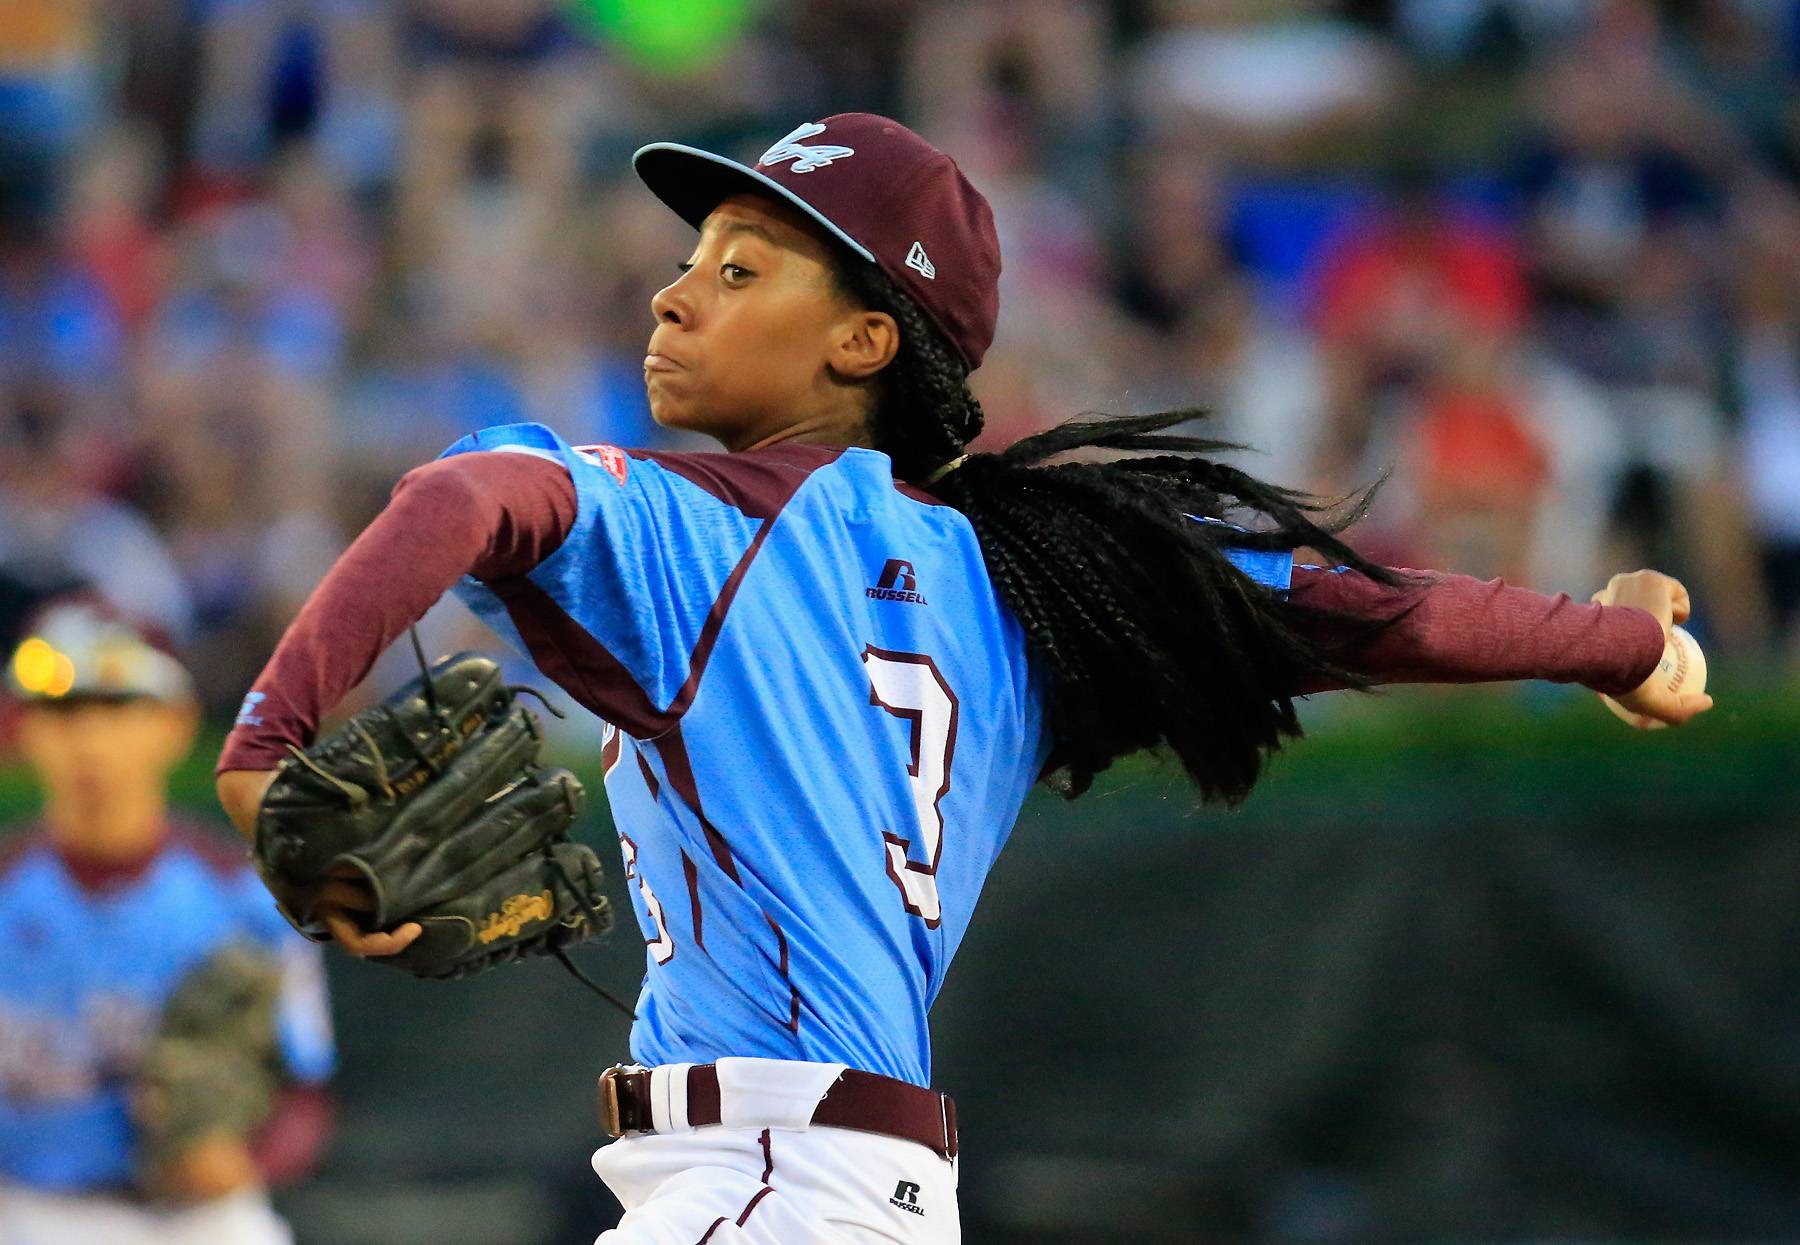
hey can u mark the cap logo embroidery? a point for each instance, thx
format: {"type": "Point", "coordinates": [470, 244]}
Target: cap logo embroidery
{"type": "Point", "coordinates": [805, 159]}
{"type": "Point", "coordinates": [917, 259]}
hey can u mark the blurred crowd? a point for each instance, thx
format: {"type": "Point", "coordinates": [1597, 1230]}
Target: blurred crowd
{"type": "Point", "coordinates": [1535, 261]}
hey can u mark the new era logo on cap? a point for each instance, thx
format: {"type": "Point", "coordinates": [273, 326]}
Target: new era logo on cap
{"type": "Point", "coordinates": [880, 190]}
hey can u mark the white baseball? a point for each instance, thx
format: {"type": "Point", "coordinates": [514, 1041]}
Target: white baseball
{"type": "Point", "coordinates": [1683, 664]}
{"type": "Point", "coordinates": [1683, 667]}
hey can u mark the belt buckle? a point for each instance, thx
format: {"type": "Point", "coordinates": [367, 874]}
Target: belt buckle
{"type": "Point", "coordinates": [622, 1115]}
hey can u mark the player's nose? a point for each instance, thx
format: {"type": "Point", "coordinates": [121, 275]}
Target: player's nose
{"type": "Point", "coordinates": [671, 304]}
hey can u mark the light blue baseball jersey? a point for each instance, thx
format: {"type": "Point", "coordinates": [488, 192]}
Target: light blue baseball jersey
{"type": "Point", "coordinates": [84, 974]}
{"type": "Point", "coordinates": [821, 724]}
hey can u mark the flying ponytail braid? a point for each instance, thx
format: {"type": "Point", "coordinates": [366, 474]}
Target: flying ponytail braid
{"type": "Point", "coordinates": [1152, 637]}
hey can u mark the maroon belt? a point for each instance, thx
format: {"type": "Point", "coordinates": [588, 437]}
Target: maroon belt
{"type": "Point", "coordinates": [860, 1100]}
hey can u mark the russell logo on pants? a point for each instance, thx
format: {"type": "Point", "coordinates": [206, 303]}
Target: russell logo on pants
{"type": "Point", "coordinates": [906, 1197]}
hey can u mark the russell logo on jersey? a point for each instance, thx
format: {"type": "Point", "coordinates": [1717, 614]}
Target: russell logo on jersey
{"type": "Point", "coordinates": [898, 582]}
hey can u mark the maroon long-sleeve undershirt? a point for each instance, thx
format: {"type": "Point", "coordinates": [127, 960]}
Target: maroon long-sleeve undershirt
{"type": "Point", "coordinates": [491, 515]}
{"type": "Point", "coordinates": [494, 515]}
{"type": "Point", "coordinates": [1464, 630]}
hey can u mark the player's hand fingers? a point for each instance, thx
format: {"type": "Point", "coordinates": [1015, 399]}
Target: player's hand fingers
{"type": "Point", "coordinates": [1636, 721]}
{"type": "Point", "coordinates": [1679, 604]}
{"type": "Point", "coordinates": [394, 941]}
{"type": "Point", "coordinates": [1654, 712]}
{"type": "Point", "coordinates": [1687, 707]}
{"type": "Point", "coordinates": [1662, 595]}
{"type": "Point", "coordinates": [353, 895]}
{"type": "Point", "coordinates": [359, 942]}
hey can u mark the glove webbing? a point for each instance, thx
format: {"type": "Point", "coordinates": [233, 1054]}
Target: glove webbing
{"type": "Point", "coordinates": [594, 916]}
{"type": "Point", "coordinates": [587, 908]}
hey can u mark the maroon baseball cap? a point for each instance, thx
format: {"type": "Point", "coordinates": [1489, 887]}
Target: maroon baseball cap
{"type": "Point", "coordinates": [878, 188]}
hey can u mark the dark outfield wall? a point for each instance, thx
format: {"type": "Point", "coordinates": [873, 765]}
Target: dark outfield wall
{"type": "Point", "coordinates": [1463, 969]}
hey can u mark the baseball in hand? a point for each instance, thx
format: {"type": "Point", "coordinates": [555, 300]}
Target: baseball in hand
{"type": "Point", "coordinates": [1683, 665]}
{"type": "Point", "coordinates": [1682, 669]}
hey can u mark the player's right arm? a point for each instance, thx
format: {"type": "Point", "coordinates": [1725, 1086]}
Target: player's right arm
{"type": "Point", "coordinates": [1664, 598]}
{"type": "Point", "coordinates": [1445, 628]}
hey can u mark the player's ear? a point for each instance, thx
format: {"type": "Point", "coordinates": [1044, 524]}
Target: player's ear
{"type": "Point", "coordinates": [35, 735]}
{"type": "Point", "coordinates": [178, 725]}
{"type": "Point", "coordinates": [864, 343]}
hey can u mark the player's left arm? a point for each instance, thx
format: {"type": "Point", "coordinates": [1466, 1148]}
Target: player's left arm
{"type": "Point", "coordinates": [1446, 628]}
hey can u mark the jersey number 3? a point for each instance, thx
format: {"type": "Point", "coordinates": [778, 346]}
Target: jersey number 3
{"type": "Point", "coordinates": [910, 686]}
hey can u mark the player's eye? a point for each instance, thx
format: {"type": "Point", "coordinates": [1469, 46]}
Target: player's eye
{"type": "Point", "coordinates": [735, 272]}
{"type": "Point", "coordinates": [685, 266]}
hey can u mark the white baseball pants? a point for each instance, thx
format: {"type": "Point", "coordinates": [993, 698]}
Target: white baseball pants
{"type": "Point", "coordinates": [34, 1217]}
{"type": "Point", "coordinates": [770, 1178]}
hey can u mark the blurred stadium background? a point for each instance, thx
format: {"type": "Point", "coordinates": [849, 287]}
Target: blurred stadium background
{"type": "Point", "coordinates": [1472, 966]}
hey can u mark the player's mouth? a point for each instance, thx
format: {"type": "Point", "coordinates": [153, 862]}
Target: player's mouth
{"type": "Point", "coordinates": [654, 362]}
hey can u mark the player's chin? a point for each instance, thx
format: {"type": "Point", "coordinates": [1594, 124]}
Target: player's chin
{"type": "Point", "coordinates": [671, 406]}
{"type": "Point", "coordinates": [680, 408]}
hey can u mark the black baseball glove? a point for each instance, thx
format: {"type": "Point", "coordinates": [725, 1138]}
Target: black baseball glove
{"type": "Point", "coordinates": [436, 800]}
{"type": "Point", "coordinates": [213, 1067]}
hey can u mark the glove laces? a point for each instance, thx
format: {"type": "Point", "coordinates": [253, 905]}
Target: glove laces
{"type": "Point", "coordinates": [588, 910]}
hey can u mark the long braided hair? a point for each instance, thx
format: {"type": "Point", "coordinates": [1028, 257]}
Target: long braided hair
{"type": "Point", "coordinates": [1151, 636]}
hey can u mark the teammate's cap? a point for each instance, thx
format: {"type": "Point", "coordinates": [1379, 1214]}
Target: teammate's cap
{"type": "Point", "coordinates": [75, 649]}
{"type": "Point", "coordinates": [882, 191]}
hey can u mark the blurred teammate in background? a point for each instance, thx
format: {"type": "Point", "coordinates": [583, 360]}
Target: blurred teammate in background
{"type": "Point", "coordinates": [835, 659]}
{"type": "Point", "coordinates": [107, 906]}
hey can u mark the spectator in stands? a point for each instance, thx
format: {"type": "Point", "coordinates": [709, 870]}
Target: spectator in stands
{"type": "Point", "coordinates": [1200, 329]}
{"type": "Point", "coordinates": [1768, 388]}
{"type": "Point", "coordinates": [1414, 295]}
{"type": "Point", "coordinates": [275, 67]}
{"type": "Point", "coordinates": [53, 521]}
{"type": "Point", "coordinates": [50, 88]}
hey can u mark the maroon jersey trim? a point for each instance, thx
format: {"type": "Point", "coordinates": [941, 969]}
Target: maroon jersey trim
{"type": "Point", "coordinates": [917, 494]}
{"type": "Point", "coordinates": [692, 875]}
{"type": "Point", "coordinates": [649, 775]}
{"type": "Point", "coordinates": [673, 750]}
{"type": "Point", "coordinates": [757, 491]}
{"type": "Point", "coordinates": [759, 484]}
{"type": "Point", "coordinates": [756, 482]}
{"type": "Point", "coordinates": [575, 661]}
{"type": "Point", "coordinates": [226, 859]}
{"type": "Point", "coordinates": [15, 844]}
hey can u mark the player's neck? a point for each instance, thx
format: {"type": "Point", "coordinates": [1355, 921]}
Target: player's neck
{"type": "Point", "coordinates": [832, 424]}
{"type": "Point", "coordinates": [802, 437]}
{"type": "Point", "coordinates": [122, 829]}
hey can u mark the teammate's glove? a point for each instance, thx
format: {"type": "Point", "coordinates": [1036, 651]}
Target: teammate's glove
{"type": "Point", "coordinates": [212, 1069]}
{"type": "Point", "coordinates": [436, 800]}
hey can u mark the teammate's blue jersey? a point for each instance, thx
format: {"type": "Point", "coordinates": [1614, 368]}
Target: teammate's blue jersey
{"type": "Point", "coordinates": [84, 974]}
{"type": "Point", "coordinates": [822, 725]}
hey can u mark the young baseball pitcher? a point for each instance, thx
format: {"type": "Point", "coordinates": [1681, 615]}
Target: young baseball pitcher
{"type": "Point", "coordinates": [833, 659]}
